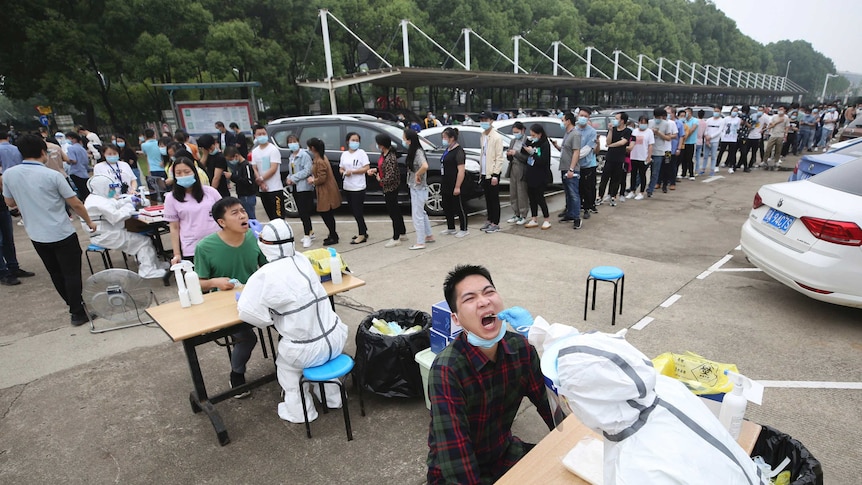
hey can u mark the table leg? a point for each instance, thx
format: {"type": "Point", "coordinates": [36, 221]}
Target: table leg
{"type": "Point", "coordinates": [198, 398]}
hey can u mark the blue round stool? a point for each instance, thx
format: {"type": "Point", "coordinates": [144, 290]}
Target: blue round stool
{"type": "Point", "coordinates": [331, 372]}
{"type": "Point", "coordinates": [610, 274]}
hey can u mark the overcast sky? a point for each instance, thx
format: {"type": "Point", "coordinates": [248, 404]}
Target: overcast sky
{"type": "Point", "coordinates": [831, 26]}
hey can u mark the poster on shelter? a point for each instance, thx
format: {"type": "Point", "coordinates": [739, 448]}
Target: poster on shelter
{"type": "Point", "coordinates": [199, 117]}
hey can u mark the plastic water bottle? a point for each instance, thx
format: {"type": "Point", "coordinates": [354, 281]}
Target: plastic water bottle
{"type": "Point", "coordinates": [334, 267]}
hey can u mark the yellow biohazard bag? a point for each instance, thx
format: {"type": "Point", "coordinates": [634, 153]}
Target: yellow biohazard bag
{"type": "Point", "coordinates": [701, 375]}
{"type": "Point", "coordinates": [320, 261]}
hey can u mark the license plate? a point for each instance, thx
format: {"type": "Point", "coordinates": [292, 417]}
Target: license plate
{"type": "Point", "coordinates": [778, 220]}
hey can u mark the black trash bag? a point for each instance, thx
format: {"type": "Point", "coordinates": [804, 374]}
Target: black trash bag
{"type": "Point", "coordinates": [774, 446]}
{"type": "Point", "coordinates": [385, 364]}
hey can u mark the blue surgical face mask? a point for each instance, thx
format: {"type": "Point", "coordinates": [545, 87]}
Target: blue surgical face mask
{"type": "Point", "coordinates": [477, 341]}
{"type": "Point", "coordinates": [716, 114]}
{"type": "Point", "coordinates": [354, 145]}
{"type": "Point", "coordinates": [615, 123]}
{"type": "Point", "coordinates": [582, 120]}
{"type": "Point", "coordinates": [112, 158]}
{"type": "Point", "coordinates": [294, 146]}
{"type": "Point", "coordinates": [121, 144]}
{"type": "Point", "coordinates": [233, 163]}
{"type": "Point", "coordinates": [214, 151]}
{"type": "Point", "coordinates": [562, 125]}
{"type": "Point", "coordinates": [141, 139]}
{"type": "Point", "coordinates": [734, 114]}
{"type": "Point", "coordinates": [262, 140]}
{"type": "Point", "coordinates": [518, 136]}
{"type": "Point", "coordinates": [484, 125]}
{"type": "Point", "coordinates": [186, 181]}
{"type": "Point", "coordinates": [445, 142]}
{"type": "Point", "coordinates": [163, 150]}
{"type": "Point", "coordinates": [643, 126]}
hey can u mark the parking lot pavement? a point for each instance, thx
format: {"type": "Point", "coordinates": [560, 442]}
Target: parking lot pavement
{"type": "Point", "coordinates": [83, 408]}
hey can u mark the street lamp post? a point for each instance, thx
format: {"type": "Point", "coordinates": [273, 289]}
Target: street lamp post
{"type": "Point", "coordinates": [823, 94]}
{"type": "Point", "coordinates": [786, 72]}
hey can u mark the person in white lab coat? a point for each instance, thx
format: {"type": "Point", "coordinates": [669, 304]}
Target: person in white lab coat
{"type": "Point", "coordinates": [287, 292]}
{"type": "Point", "coordinates": [110, 213]}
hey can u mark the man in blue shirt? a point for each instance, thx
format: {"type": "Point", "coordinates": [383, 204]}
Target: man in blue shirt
{"type": "Point", "coordinates": [151, 149]}
{"type": "Point", "coordinates": [588, 163]}
{"type": "Point", "coordinates": [807, 125]}
{"type": "Point", "coordinates": [41, 194]}
{"type": "Point", "coordinates": [79, 164]}
{"type": "Point", "coordinates": [9, 154]}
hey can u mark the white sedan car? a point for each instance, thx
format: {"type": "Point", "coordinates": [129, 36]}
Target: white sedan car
{"type": "Point", "coordinates": [807, 234]}
{"type": "Point", "coordinates": [469, 138]}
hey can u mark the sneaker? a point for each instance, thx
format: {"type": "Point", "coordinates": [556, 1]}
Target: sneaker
{"type": "Point", "coordinates": [622, 199]}
{"type": "Point", "coordinates": [392, 243]}
{"type": "Point", "coordinates": [237, 380]}
{"type": "Point", "coordinates": [780, 161]}
{"type": "Point", "coordinates": [10, 280]}
{"type": "Point", "coordinates": [546, 225]}
{"type": "Point", "coordinates": [79, 319]}
{"type": "Point", "coordinates": [561, 214]}
{"type": "Point", "coordinates": [730, 170]}
{"type": "Point", "coordinates": [648, 194]}
{"type": "Point", "coordinates": [20, 273]}
{"type": "Point", "coordinates": [613, 202]}
{"type": "Point", "coordinates": [331, 240]}
{"type": "Point", "coordinates": [567, 219]}
{"type": "Point", "coordinates": [306, 242]}
{"type": "Point", "coordinates": [521, 221]}
{"type": "Point", "coordinates": [594, 210]}
{"type": "Point", "coordinates": [512, 219]}
{"type": "Point", "coordinates": [691, 178]}
{"type": "Point", "coordinates": [416, 246]}
{"type": "Point", "coordinates": [587, 214]}
{"type": "Point", "coordinates": [493, 228]}
{"type": "Point", "coordinates": [577, 224]}
{"type": "Point", "coordinates": [485, 226]}
{"type": "Point", "coordinates": [531, 224]}
{"type": "Point", "coordinates": [312, 236]}
{"type": "Point", "coordinates": [448, 232]}
{"type": "Point", "coordinates": [462, 233]}
{"type": "Point", "coordinates": [639, 197]}
{"type": "Point", "coordinates": [630, 195]}
{"type": "Point", "coordinates": [21, 222]}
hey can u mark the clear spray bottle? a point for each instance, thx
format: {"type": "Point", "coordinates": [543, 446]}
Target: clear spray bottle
{"type": "Point", "coordinates": [734, 404]}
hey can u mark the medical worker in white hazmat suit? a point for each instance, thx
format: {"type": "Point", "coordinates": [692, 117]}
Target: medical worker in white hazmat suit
{"type": "Point", "coordinates": [655, 430]}
{"type": "Point", "coordinates": [110, 213]}
{"type": "Point", "coordinates": [287, 292]}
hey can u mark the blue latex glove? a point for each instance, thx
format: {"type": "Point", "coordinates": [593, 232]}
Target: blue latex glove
{"type": "Point", "coordinates": [255, 226]}
{"type": "Point", "coordinates": [519, 318]}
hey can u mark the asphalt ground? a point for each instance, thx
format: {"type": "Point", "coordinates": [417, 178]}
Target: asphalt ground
{"type": "Point", "coordinates": [84, 408]}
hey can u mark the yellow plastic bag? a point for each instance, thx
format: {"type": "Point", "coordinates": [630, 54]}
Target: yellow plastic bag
{"type": "Point", "coordinates": [699, 374]}
{"type": "Point", "coordinates": [320, 261]}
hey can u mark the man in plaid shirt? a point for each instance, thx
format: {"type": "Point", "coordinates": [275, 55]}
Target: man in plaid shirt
{"type": "Point", "coordinates": [476, 385]}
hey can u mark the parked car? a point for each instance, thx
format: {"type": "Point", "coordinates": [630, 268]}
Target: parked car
{"type": "Point", "coordinates": [853, 130]}
{"type": "Point", "coordinates": [551, 125]}
{"type": "Point", "coordinates": [807, 234]}
{"type": "Point", "coordinates": [813, 163]}
{"type": "Point", "coordinates": [470, 138]}
{"type": "Point", "coordinates": [333, 130]}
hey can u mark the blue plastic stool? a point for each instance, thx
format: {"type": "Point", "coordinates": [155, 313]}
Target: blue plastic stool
{"type": "Point", "coordinates": [331, 371]}
{"type": "Point", "coordinates": [613, 275]}
{"type": "Point", "coordinates": [106, 257]}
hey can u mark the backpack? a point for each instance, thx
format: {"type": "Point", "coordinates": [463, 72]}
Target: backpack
{"type": "Point", "coordinates": [243, 179]}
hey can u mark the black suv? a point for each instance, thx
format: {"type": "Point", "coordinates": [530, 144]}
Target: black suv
{"type": "Point", "coordinates": [333, 130]}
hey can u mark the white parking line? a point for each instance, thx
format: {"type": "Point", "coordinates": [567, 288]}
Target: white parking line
{"type": "Point", "coordinates": [670, 301]}
{"type": "Point", "coordinates": [812, 384]}
{"type": "Point", "coordinates": [715, 267]}
{"type": "Point", "coordinates": [643, 323]}
{"type": "Point", "coordinates": [733, 270]}
{"type": "Point", "coordinates": [713, 178]}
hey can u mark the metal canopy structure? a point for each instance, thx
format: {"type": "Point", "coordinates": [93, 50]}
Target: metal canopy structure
{"type": "Point", "coordinates": [412, 77]}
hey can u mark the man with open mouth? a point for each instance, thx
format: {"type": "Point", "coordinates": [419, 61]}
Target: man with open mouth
{"type": "Point", "coordinates": [476, 385]}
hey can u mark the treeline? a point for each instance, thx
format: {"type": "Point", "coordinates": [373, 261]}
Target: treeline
{"type": "Point", "coordinates": [102, 56]}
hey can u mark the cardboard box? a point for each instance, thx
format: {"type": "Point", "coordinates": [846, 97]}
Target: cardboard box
{"type": "Point", "coordinates": [439, 341]}
{"type": "Point", "coordinates": [441, 320]}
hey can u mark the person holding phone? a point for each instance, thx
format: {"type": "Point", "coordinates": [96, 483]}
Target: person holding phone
{"type": "Point", "coordinates": [266, 160]}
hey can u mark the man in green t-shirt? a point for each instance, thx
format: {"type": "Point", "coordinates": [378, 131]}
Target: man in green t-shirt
{"type": "Point", "coordinates": [230, 254]}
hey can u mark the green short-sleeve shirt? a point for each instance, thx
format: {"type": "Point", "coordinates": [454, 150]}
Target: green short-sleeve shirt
{"type": "Point", "coordinates": [216, 259]}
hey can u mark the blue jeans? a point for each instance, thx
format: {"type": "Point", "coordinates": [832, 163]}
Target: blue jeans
{"type": "Point", "coordinates": [654, 172]}
{"type": "Point", "coordinates": [137, 173]}
{"type": "Point", "coordinates": [825, 137]}
{"type": "Point", "coordinates": [806, 138]}
{"type": "Point", "coordinates": [248, 203]}
{"type": "Point", "coordinates": [8, 258]}
{"type": "Point", "coordinates": [709, 152]}
{"type": "Point", "coordinates": [573, 195]}
{"type": "Point", "coordinates": [421, 223]}
{"type": "Point", "coordinates": [698, 151]}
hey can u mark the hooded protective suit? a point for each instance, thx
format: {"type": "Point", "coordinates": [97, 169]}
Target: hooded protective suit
{"type": "Point", "coordinates": [287, 292]}
{"type": "Point", "coordinates": [110, 214]}
{"type": "Point", "coordinates": [655, 430]}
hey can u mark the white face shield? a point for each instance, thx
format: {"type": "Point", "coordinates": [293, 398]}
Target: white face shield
{"type": "Point", "coordinates": [103, 186]}
{"type": "Point", "coordinates": [276, 240]}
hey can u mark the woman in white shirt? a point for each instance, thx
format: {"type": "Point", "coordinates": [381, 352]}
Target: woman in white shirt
{"type": "Point", "coordinates": [117, 170]}
{"type": "Point", "coordinates": [644, 139]}
{"type": "Point", "coordinates": [352, 166]}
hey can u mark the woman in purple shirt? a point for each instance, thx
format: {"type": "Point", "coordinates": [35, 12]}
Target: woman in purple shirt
{"type": "Point", "coordinates": [188, 209]}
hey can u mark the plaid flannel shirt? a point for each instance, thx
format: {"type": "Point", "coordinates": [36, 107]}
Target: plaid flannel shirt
{"type": "Point", "coordinates": [473, 404]}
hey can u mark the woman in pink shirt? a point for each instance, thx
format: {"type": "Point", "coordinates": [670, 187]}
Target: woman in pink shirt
{"type": "Point", "coordinates": [698, 147]}
{"type": "Point", "coordinates": [188, 209]}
